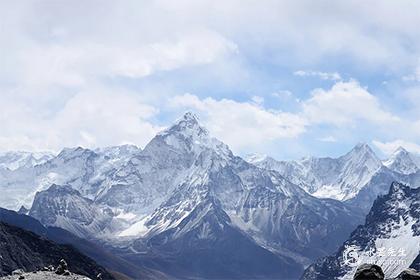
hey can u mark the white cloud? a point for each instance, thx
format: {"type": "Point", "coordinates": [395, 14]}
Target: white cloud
{"type": "Point", "coordinates": [242, 124]}
{"type": "Point", "coordinates": [389, 147]}
{"type": "Point", "coordinates": [59, 73]}
{"type": "Point", "coordinates": [334, 76]}
{"type": "Point", "coordinates": [91, 118]}
{"type": "Point", "coordinates": [75, 64]}
{"type": "Point", "coordinates": [345, 103]}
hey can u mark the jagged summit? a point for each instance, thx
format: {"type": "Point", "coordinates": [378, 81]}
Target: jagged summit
{"type": "Point", "coordinates": [401, 149]}
{"type": "Point", "coordinates": [188, 124]}
{"type": "Point", "coordinates": [362, 145]}
{"type": "Point", "coordinates": [68, 153]}
{"type": "Point", "coordinates": [362, 150]}
{"type": "Point", "coordinates": [187, 134]}
{"type": "Point", "coordinates": [402, 161]}
{"type": "Point", "coordinates": [338, 178]}
{"type": "Point", "coordinates": [190, 117]}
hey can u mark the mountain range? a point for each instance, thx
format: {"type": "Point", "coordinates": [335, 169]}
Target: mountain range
{"type": "Point", "coordinates": [355, 178]}
{"type": "Point", "coordinates": [187, 207]}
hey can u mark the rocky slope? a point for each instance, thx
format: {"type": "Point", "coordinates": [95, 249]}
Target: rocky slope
{"type": "Point", "coordinates": [95, 251]}
{"type": "Point", "coordinates": [64, 207]}
{"type": "Point", "coordinates": [21, 249]}
{"type": "Point", "coordinates": [390, 238]}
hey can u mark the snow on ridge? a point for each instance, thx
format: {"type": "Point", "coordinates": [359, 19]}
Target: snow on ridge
{"type": "Point", "coordinates": [393, 252]}
{"type": "Point", "coordinates": [402, 161]}
{"type": "Point", "coordinates": [13, 160]}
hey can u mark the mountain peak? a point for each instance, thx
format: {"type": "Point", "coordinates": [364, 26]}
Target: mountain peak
{"type": "Point", "coordinates": [62, 189]}
{"type": "Point", "coordinates": [187, 125]}
{"type": "Point", "coordinates": [362, 146]}
{"type": "Point", "coordinates": [362, 151]}
{"type": "Point", "coordinates": [401, 161]}
{"type": "Point", "coordinates": [76, 151]}
{"type": "Point", "coordinates": [400, 149]}
{"type": "Point", "coordinates": [190, 117]}
{"type": "Point", "coordinates": [187, 134]}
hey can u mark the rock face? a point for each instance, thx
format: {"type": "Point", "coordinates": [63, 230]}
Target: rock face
{"type": "Point", "coordinates": [409, 274]}
{"type": "Point", "coordinates": [95, 251]}
{"type": "Point", "coordinates": [64, 207]}
{"type": "Point", "coordinates": [369, 271]}
{"type": "Point", "coordinates": [25, 250]}
{"type": "Point", "coordinates": [374, 272]}
{"type": "Point", "coordinates": [390, 238]}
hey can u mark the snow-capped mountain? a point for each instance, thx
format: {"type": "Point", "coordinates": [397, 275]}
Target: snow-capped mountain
{"type": "Point", "coordinates": [15, 160]}
{"type": "Point", "coordinates": [84, 169]}
{"type": "Point", "coordinates": [338, 178]}
{"type": "Point", "coordinates": [389, 238]}
{"type": "Point", "coordinates": [402, 161]}
{"type": "Point", "coordinates": [185, 190]}
{"type": "Point", "coordinates": [220, 191]}
{"type": "Point", "coordinates": [64, 207]}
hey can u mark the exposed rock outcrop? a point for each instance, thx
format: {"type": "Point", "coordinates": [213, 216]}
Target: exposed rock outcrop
{"type": "Point", "coordinates": [369, 271]}
{"type": "Point", "coordinates": [21, 249]}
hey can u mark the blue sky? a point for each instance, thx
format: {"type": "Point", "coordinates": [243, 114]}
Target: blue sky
{"type": "Point", "coordinates": [285, 78]}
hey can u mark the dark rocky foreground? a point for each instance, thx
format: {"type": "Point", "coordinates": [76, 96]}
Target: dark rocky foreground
{"type": "Point", "coordinates": [374, 272]}
{"type": "Point", "coordinates": [44, 275]}
{"type": "Point", "coordinates": [24, 250]}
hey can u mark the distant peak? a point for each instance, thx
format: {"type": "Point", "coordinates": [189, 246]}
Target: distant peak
{"type": "Point", "coordinates": [362, 146]}
{"type": "Point", "coordinates": [73, 151]}
{"type": "Point", "coordinates": [400, 150]}
{"type": "Point", "coordinates": [362, 149]}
